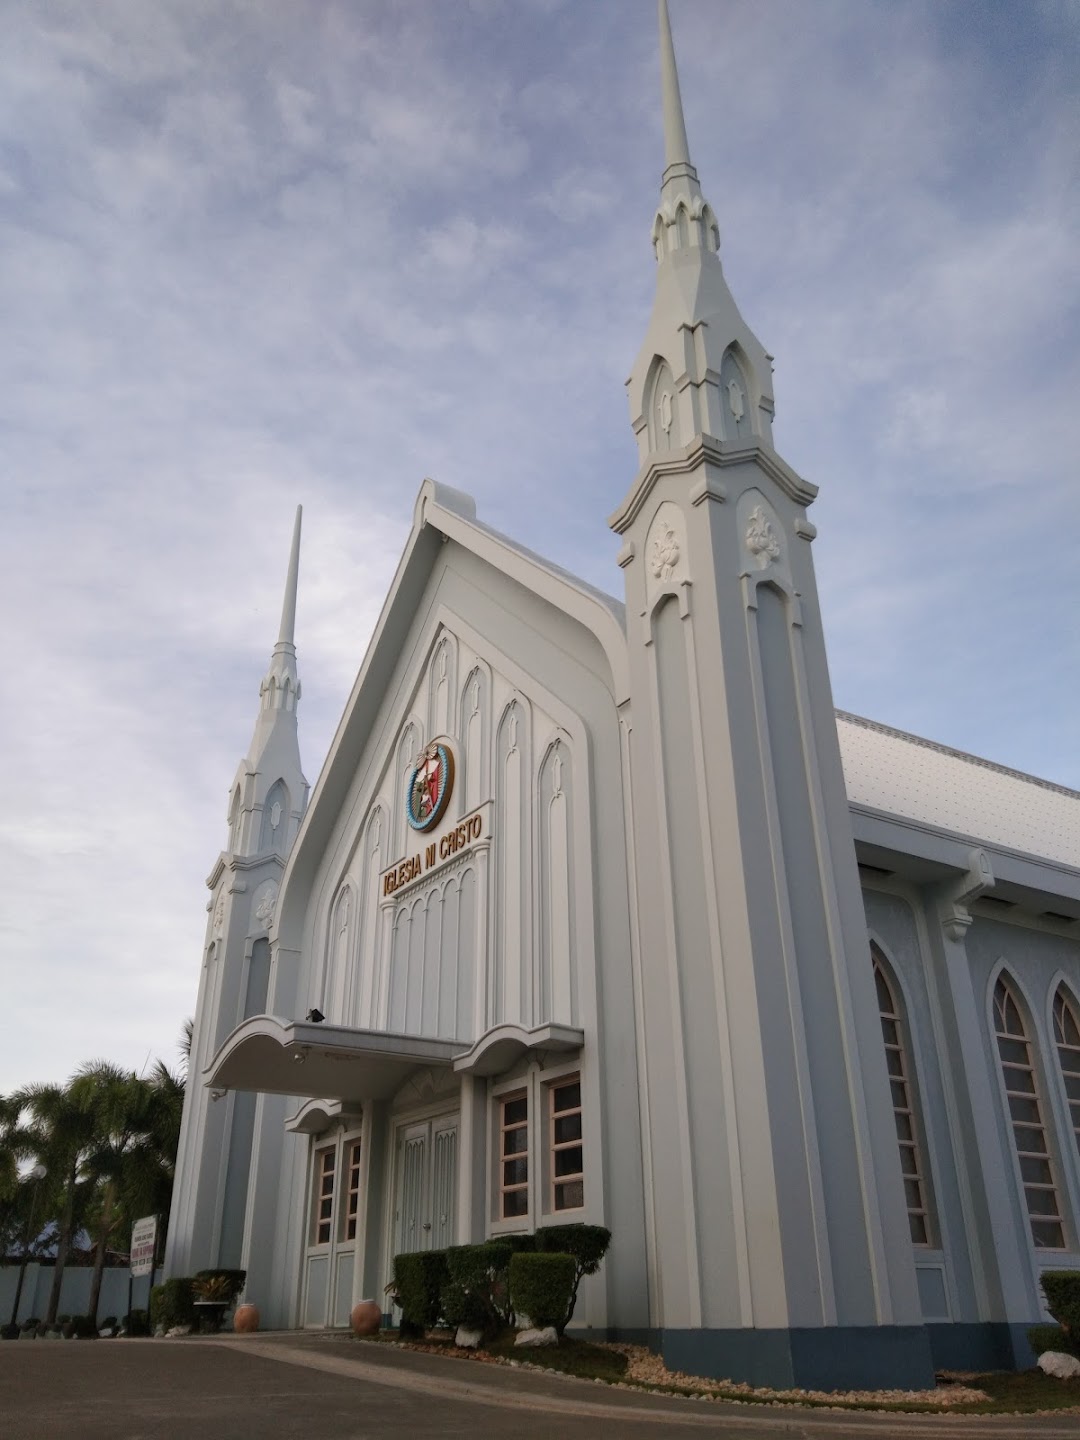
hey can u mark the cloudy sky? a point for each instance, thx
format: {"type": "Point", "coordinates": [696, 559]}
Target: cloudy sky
{"type": "Point", "coordinates": [261, 252]}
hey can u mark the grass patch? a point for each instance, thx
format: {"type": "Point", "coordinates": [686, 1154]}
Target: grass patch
{"type": "Point", "coordinates": [1008, 1392]}
{"type": "Point", "coordinates": [570, 1357]}
{"type": "Point", "coordinates": [1022, 1392]}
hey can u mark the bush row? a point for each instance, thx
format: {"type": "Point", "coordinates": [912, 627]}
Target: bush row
{"type": "Point", "coordinates": [1062, 1291]}
{"type": "Point", "coordinates": [483, 1287]}
{"type": "Point", "coordinates": [173, 1301]}
{"type": "Point", "coordinates": [77, 1327]}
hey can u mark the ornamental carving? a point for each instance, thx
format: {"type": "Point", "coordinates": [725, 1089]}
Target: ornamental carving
{"type": "Point", "coordinates": [665, 554]}
{"type": "Point", "coordinates": [735, 400]}
{"type": "Point", "coordinates": [264, 912]}
{"type": "Point", "coordinates": [761, 538]}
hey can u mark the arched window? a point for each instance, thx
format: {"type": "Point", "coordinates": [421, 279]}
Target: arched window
{"type": "Point", "coordinates": [1067, 1038]}
{"type": "Point", "coordinates": [1025, 1115]}
{"type": "Point", "coordinates": [909, 1130]}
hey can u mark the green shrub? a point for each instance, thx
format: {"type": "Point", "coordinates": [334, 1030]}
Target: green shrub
{"type": "Point", "coordinates": [137, 1322]}
{"type": "Point", "coordinates": [476, 1292]}
{"type": "Point", "coordinates": [542, 1286]}
{"type": "Point", "coordinates": [220, 1285]}
{"type": "Point", "coordinates": [417, 1286]}
{"type": "Point", "coordinates": [1048, 1337]}
{"type": "Point", "coordinates": [31, 1324]}
{"type": "Point", "coordinates": [109, 1323]}
{"type": "Point", "coordinates": [83, 1328]}
{"type": "Point", "coordinates": [173, 1303]}
{"type": "Point", "coordinates": [1062, 1291]}
{"type": "Point", "coordinates": [588, 1244]}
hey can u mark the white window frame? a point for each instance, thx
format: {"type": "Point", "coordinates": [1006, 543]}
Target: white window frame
{"type": "Point", "coordinates": [910, 1112]}
{"type": "Point", "coordinates": [554, 1147]}
{"type": "Point", "coordinates": [1034, 1096]}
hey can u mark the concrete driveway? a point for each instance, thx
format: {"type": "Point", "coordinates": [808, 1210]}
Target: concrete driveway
{"type": "Point", "coordinates": [274, 1387]}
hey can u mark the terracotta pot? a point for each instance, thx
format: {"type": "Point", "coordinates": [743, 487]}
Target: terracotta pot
{"type": "Point", "coordinates": [246, 1319]}
{"type": "Point", "coordinates": [366, 1317]}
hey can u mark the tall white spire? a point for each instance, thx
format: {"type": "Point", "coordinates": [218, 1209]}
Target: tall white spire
{"type": "Point", "coordinates": [701, 371]}
{"type": "Point", "coordinates": [280, 688]}
{"type": "Point", "coordinates": [676, 146]}
{"type": "Point", "coordinates": [286, 635]}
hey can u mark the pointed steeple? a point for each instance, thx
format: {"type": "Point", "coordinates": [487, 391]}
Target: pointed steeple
{"type": "Point", "coordinates": [270, 778]}
{"type": "Point", "coordinates": [677, 164]}
{"type": "Point", "coordinates": [286, 635]}
{"type": "Point", "coordinates": [701, 372]}
{"type": "Point", "coordinates": [280, 688]}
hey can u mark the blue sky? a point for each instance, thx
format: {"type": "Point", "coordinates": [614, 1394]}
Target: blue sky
{"type": "Point", "coordinates": [261, 252]}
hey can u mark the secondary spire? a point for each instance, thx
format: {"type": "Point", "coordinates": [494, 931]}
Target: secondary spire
{"type": "Point", "coordinates": [287, 634]}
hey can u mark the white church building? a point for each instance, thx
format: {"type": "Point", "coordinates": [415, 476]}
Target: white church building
{"type": "Point", "coordinates": [599, 911]}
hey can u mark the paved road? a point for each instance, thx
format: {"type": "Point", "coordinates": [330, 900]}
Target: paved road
{"type": "Point", "coordinates": [280, 1387]}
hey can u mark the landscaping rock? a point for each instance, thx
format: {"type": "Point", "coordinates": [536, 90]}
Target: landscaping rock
{"type": "Point", "coordinates": [178, 1330]}
{"type": "Point", "coordinates": [537, 1338]}
{"type": "Point", "coordinates": [1058, 1364]}
{"type": "Point", "coordinates": [468, 1339]}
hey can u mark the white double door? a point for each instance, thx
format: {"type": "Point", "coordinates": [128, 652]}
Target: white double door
{"type": "Point", "coordinates": [425, 1186]}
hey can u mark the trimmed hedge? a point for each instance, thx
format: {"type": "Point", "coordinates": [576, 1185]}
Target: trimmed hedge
{"type": "Point", "coordinates": [542, 1287]}
{"type": "Point", "coordinates": [587, 1244]}
{"type": "Point", "coordinates": [137, 1322]}
{"type": "Point", "coordinates": [172, 1303]}
{"type": "Point", "coordinates": [476, 1290]}
{"type": "Point", "coordinates": [1042, 1338]}
{"type": "Point", "coordinates": [418, 1282]}
{"type": "Point", "coordinates": [1062, 1291]}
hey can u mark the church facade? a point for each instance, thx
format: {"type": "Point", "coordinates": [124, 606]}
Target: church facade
{"type": "Point", "coordinates": [601, 912]}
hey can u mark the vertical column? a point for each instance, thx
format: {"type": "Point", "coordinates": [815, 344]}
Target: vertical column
{"type": "Point", "coordinates": [472, 1162]}
{"type": "Point", "coordinates": [375, 1177]}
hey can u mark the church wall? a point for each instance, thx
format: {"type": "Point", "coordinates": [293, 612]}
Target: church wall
{"type": "Point", "coordinates": [530, 925]}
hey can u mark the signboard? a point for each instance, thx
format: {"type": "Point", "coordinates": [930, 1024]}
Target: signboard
{"type": "Point", "coordinates": [143, 1245]}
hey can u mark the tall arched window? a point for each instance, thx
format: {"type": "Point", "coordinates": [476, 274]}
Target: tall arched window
{"type": "Point", "coordinates": [1067, 1038]}
{"type": "Point", "coordinates": [909, 1130]}
{"type": "Point", "coordinates": [1025, 1115]}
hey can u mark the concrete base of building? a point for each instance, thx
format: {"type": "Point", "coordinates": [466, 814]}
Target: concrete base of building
{"type": "Point", "coordinates": [987, 1346]}
{"type": "Point", "coordinates": [870, 1357]}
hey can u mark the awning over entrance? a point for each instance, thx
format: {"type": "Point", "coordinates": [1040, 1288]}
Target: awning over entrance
{"type": "Point", "coordinates": [299, 1057]}
{"type": "Point", "coordinates": [503, 1046]}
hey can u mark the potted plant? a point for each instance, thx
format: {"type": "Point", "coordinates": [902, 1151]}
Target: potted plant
{"type": "Point", "coordinates": [214, 1292]}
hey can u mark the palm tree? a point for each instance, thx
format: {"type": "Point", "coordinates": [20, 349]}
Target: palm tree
{"type": "Point", "coordinates": [133, 1160]}
{"type": "Point", "coordinates": [60, 1133]}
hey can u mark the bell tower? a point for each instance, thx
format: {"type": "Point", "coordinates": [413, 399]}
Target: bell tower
{"type": "Point", "coordinates": [780, 1244]}
{"type": "Point", "coordinates": [266, 804]}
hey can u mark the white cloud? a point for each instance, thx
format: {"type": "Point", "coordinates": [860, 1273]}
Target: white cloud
{"type": "Point", "coordinates": [253, 253]}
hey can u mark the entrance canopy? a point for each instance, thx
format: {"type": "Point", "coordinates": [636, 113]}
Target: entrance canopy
{"type": "Point", "coordinates": [299, 1057]}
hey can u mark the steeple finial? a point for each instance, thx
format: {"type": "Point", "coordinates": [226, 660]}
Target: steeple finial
{"type": "Point", "coordinates": [287, 634]}
{"type": "Point", "coordinates": [676, 146]}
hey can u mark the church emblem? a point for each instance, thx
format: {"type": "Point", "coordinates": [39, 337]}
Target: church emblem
{"type": "Point", "coordinates": [430, 787]}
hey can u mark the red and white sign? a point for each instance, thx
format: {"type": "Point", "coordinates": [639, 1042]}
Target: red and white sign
{"type": "Point", "coordinates": [143, 1245]}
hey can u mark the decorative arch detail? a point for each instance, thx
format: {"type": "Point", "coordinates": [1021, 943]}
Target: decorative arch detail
{"type": "Point", "coordinates": [1065, 1010]}
{"type": "Point", "coordinates": [1018, 1067]}
{"type": "Point", "coordinates": [903, 1086]}
{"type": "Point", "coordinates": [663, 409]}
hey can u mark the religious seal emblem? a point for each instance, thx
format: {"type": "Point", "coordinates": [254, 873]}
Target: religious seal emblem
{"type": "Point", "coordinates": [430, 787]}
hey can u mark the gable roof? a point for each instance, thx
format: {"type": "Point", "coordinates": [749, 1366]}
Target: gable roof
{"type": "Point", "coordinates": [441, 513]}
